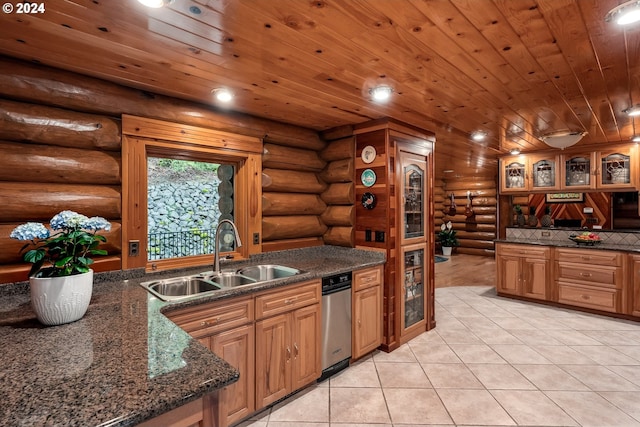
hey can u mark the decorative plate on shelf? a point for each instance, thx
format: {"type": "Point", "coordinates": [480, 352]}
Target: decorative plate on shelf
{"type": "Point", "coordinates": [368, 200]}
{"type": "Point", "coordinates": [368, 154]}
{"type": "Point", "coordinates": [368, 178]}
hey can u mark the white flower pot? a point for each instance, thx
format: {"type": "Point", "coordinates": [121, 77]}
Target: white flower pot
{"type": "Point", "coordinates": [60, 300]}
{"type": "Point", "coordinates": [446, 250]}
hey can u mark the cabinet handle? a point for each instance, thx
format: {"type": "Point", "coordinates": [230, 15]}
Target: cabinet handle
{"type": "Point", "coordinates": [587, 297]}
{"type": "Point", "coordinates": [210, 323]}
{"type": "Point", "coordinates": [296, 351]}
{"type": "Point", "coordinates": [288, 353]}
{"type": "Point", "coordinates": [289, 300]}
{"type": "Point", "coordinates": [585, 274]}
{"type": "Point", "coordinates": [359, 323]}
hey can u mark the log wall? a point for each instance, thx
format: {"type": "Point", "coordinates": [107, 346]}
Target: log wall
{"type": "Point", "coordinates": [340, 214]}
{"type": "Point", "coordinates": [476, 232]}
{"type": "Point", "coordinates": [60, 148]}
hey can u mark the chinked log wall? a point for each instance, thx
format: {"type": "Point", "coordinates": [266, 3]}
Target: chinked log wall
{"type": "Point", "coordinates": [60, 142]}
{"type": "Point", "coordinates": [477, 232]}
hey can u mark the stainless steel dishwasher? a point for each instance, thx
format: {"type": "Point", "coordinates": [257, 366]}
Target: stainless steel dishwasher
{"type": "Point", "coordinates": [336, 323]}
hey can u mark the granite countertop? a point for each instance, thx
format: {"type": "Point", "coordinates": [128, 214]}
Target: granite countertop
{"type": "Point", "coordinates": [571, 244]}
{"type": "Point", "coordinates": [124, 362]}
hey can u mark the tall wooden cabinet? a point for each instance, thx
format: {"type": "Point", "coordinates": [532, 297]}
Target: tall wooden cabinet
{"type": "Point", "coordinates": [394, 166]}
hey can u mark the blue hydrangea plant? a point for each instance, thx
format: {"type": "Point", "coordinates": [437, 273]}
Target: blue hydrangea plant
{"type": "Point", "coordinates": [65, 249]}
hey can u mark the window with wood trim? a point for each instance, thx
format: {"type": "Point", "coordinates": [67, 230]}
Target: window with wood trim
{"type": "Point", "coordinates": [234, 161]}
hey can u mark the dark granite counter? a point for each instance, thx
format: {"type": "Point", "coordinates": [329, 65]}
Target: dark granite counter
{"type": "Point", "coordinates": [124, 362]}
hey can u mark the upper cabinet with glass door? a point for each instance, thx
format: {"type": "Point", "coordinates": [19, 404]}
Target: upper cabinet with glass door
{"type": "Point", "coordinates": [413, 206]}
{"type": "Point", "coordinates": [578, 171]}
{"type": "Point", "coordinates": [528, 173]}
{"type": "Point", "coordinates": [617, 168]}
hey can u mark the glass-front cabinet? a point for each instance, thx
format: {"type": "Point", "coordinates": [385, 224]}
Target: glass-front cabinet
{"type": "Point", "coordinates": [513, 174]}
{"type": "Point", "coordinates": [617, 168]}
{"type": "Point", "coordinates": [413, 197]}
{"type": "Point", "coordinates": [578, 171]}
{"type": "Point", "coordinates": [529, 172]}
{"type": "Point", "coordinates": [413, 308]}
{"type": "Point", "coordinates": [544, 172]}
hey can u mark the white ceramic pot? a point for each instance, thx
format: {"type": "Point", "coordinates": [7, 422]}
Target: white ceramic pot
{"type": "Point", "coordinates": [60, 300]}
{"type": "Point", "coordinates": [446, 250]}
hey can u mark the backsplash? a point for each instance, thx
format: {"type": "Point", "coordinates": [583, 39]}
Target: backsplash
{"type": "Point", "coordinates": [552, 234]}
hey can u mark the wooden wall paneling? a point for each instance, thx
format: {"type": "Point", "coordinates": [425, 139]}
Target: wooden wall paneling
{"type": "Point", "coordinates": [48, 164]}
{"type": "Point", "coordinates": [339, 236]}
{"type": "Point", "coordinates": [291, 227]}
{"type": "Point", "coordinates": [288, 181]}
{"type": "Point", "coordinates": [54, 126]}
{"type": "Point", "coordinates": [49, 86]}
{"type": "Point", "coordinates": [281, 157]}
{"type": "Point", "coordinates": [339, 149]}
{"type": "Point", "coordinates": [339, 194]}
{"type": "Point", "coordinates": [292, 203]}
{"type": "Point", "coordinates": [599, 201]}
{"type": "Point", "coordinates": [338, 171]}
{"type": "Point", "coordinates": [40, 201]}
{"type": "Point", "coordinates": [134, 179]}
{"type": "Point", "coordinates": [476, 232]}
{"type": "Point", "coordinates": [284, 244]}
{"type": "Point", "coordinates": [340, 215]}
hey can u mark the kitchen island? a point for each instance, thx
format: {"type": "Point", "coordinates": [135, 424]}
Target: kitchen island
{"type": "Point", "coordinates": [545, 265]}
{"type": "Point", "coordinates": [125, 362]}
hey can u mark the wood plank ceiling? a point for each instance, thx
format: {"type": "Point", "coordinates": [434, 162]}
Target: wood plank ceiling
{"type": "Point", "coordinates": [515, 69]}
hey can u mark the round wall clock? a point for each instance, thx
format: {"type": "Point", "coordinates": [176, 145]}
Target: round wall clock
{"type": "Point", "coordinates": [368, 154]}
{"type": "Point", "coordinates": [368, 200]}
{"type": "Point", "coordinates": [368, 178]}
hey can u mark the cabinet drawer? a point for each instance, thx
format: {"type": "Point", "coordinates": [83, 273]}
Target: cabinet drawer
{"type": "Point", "coordinates": [530, 251]}
{"type": "Point", "coordinates": [610, 277]}
{"type": "Point", "coordinates": [214, 317]}
{"type": "Point", "coordinates": [589, 256]}
{"type": "Point", "coordinates": [589, 297]}
{"type": "Point", "coordinates": [363, 279]}
{"type": "Point", "coordinates": [283, 300]}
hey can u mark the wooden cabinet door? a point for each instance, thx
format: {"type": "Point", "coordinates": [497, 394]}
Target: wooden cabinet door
{"type": "Point", "coordinates": [578, 171]}
{"type": "Point", "coordinates": [543, 172]}
{"type": "Point", "coordinates": [307, 329]}
{"type": "Point", "coordinates": [635, 285]}
{"type": "Point", "coordinates": [513, 174]}
{"type": "Point", "coordinates": [535, 273]}
{"type": "Point", "coordinates": [508, 274]}
{"type": "Point", "coordinates": [273, 359]}
{"type": "Point", "coordinates": [367, 321]}
{"type": "Point", "coordinates": [617, 168]}
{"type": "Point", "coordinates": [236, 346]}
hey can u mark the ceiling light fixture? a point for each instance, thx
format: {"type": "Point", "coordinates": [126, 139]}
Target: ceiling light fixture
{"type": "Point", "coordinates": [478, 136]}
{"type": "Point", "coordinates": [632, 111]}
{"type": "Point", "coordinates": [624, 14]}
{"type": "Point", "coordinates": [515, 151]}
{"type": "Point", "coordinates": [222, 94]}
{"type": "Point", "coordinates": [636, 138]}
{"type": "Point", "coordinates": [381, 93]}
{"type": "Point", "coordinates": [155, 3]}
{"type": "Point", "coordinates": [562, 139]}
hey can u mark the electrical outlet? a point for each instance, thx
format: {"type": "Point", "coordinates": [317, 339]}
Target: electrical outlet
{"type": "Point", "coordinates": [367, 235]}
{"type": "Point", "coordinates": [256, 238]}
{"type": "Point", "coordinates": [134, 247]}
{"type": "Point", "coordinates": [380, 236]}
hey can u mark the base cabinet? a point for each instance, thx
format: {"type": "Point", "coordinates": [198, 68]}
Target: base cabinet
{"type": "Point", "coordinates": [288, 353]}
{"type": "Point", "coordinates": [634, 265]}
{"type": "Point", "coordinates": [523, 270]}
{"type": "Point", "coordinates": [367, 311]}
{"type": "Point", "coordinates": [188, 415]}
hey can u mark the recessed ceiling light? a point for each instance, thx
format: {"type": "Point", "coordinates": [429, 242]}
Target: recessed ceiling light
{"type": "Point", "coordinates": [514, 152]}
{"type": "Point", "coordinates": [381, 93]}
{"type": "Point", "coordinates": [478, 136]}
{"type": "Point", "coordinates": [632, 111]}
{"type": "Point", "coordinates": [222, 94]}
{"type": "Point", "coordinates": [636, 138]}
{"type": "Point", "coordinates": [625, 14]}
{"type": "Point", "coordinates": [155, 3]}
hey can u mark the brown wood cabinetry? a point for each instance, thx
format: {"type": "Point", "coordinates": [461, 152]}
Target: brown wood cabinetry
{"type": "Point", "coordinates": [590, 279]}
{"type": "Point", "coordinates": [288, 330]}
{"type": "Point", "coordinates": [367, 311]}
{"type": "Point", "coordinates": [188, 415]}
{"type": "Point", "coordinates": [634, 267]}
{"type": "Point", "coordinates": [574, 170]}
{"type": "Point", "coordinates": [523, 270]}
{"type": "Point", "coordinates": [226, 328]}
{"type": "Point", "coordinates": [402, 218]}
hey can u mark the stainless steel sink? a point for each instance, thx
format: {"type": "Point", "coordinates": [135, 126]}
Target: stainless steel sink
{"type": "Point", "coordinates": [230, 279]}
{"type": "Point", "coordinates": [180, 287]}
{"type": "Point", "coordinates": [266, 272]}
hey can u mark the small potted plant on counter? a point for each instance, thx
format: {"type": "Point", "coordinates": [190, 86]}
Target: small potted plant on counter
{"type": "Point", "coordinates": [61, 281]}
{"type": "Point", "coordinates": [520, 220]}
{"type": "Point", "coordinates": [447, 238]}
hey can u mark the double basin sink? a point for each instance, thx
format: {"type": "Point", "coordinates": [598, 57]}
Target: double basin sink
{"type": "Point", "coordinates": [210, 282]}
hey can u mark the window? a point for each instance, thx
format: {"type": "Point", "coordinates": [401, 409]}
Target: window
{"type": "Point", "coordinates": [178, 182]}
{"type": "Point", "coordinates": [185, 201]}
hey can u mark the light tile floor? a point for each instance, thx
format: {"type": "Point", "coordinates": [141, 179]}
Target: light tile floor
{"type": "Point", "coordinates": [491, 361]}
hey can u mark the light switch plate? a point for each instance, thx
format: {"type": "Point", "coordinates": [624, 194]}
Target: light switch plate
{"type": "Point", "coordinates": [587, 210]}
